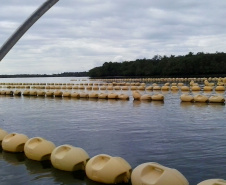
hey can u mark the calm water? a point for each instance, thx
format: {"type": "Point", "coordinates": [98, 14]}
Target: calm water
{"type": "Point", "coordinates": [190, 137]}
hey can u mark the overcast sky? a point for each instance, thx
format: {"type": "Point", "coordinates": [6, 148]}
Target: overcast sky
{"type": "Point", "coordinates": [78, 35]}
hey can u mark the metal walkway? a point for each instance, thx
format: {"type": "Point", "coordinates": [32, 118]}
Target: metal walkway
{"type": "Point", "coordinates": [25, 26]}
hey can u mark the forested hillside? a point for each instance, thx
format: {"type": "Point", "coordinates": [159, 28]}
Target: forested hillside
{"type": "Point", "coordinates": [181, 66]}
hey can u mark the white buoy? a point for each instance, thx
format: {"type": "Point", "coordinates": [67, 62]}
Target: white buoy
{"type": "Point", "coordinates": [69, 158]}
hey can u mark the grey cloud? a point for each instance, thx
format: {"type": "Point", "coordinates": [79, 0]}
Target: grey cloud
{"type": "Point", "coordinates": [83, 34]}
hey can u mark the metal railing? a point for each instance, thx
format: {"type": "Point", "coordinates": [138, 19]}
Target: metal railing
{"type": "Point", "coordinates": [6, 47]}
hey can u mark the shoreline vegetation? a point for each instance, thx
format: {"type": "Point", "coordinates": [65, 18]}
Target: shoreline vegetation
{"type": "Point", "coordinates": [190, 65]}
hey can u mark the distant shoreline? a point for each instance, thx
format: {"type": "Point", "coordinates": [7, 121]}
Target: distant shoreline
{"type": "Point", "coordinates": [65, 74]}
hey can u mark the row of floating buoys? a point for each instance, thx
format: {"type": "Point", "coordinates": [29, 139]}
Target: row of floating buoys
{"type": "Point", "coordinates": [101, 168]}
{"type": "Point", "coordinates": [67, 94]}
{"type": "Point", "coordinates": [202, 98]}
{"type": "Point", "coordinates": [148, 97]}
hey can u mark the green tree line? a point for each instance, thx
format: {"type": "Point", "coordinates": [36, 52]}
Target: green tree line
{"type": "Point", "coordinates": [163, 66]}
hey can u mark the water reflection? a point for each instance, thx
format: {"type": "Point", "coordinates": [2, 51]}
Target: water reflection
{"type": "Point", "coordinates": [14, 158]}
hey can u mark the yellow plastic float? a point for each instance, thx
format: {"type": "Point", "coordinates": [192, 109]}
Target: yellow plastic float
{"type": "Point", "coordinates": [155, 174]}
{"type": "Point", "coordinates": [103, 96]}
{"type": "Point", "coordinates": [26, 93]}
{"type": "Point", "coordinates": [133, 88]}
{"type": "Point", "coordinates": [146, 97]}
{"type": "Point", "coordinates": [156, 87]}
{"type": "Point", "coordinates": [66, 94]}
{"type": "Point", "coordinates": [186, 98]}
{"type": "Point", "coordinates": [69, 158]}
{"type": "Point", "coordinates": [49, 93]}
{"type": "Point", "coordinates": [165, 88]}
{"type": "Point", "coordinates": [112, 96]}
{"type": "Point", "coordinates": [3, 133]}
{"type": "Point", "coordinates": [195, 88]}
{"type": "Point", "coordinates": [38, 149]}
{"type": "Point", "coordinates": [95, 88]}
{"type": "Point", "coordinates": [216, 99]}
{"type": "Point", "coordinates": [93, 95]}
{"type": "Point", "coordinates": [89, 88]}
{"type": "Point", "coordinates": [157, 97]}
{"type": "Point", "coordinates": [141, 88]}
{"type": "Point", "coordinates": [33, 93]}
{"type": "Point", "coordinates": [123, 97]}
{"type": "Point", "coordinates": [58, 93]}
{"type": "Point", "coordinates": [185, 88]}
{"type": "Point", "coordinates": [41, 93]}
{"type": "Point", "coordinates": [220, 88]}
{"type": "Point", "coordinates": [84, 95]}
{"type": "Point", "coordinates": [125, 88]}
{"type": "Point", "coordinates": [103, 88]}
{"type": "Point", "coordinates": [207, 88]}
{"type": "Point", "coordinates": [107, 169]}
{"type": "Point", "coordinates": [75, 95]}
{"type": "Point", "coordinates": [136, 95]}
{"type": "Point", "coordinates": [149, 88]}
{"type": "Point", "coordinates": [109, 87]}
{"type": "Point", "coordinates": [213, 182]}
{"type": "Point", "coordinates": [14, 142]}
{"type": "Point", "coordinates": [174, 88]}
{"type": "Point", "coordinates": [200, 98]}
{"type": "Point", "coordinates": [9, 92]}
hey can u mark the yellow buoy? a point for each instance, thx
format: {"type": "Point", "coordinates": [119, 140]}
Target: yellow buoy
{"type": "Point", "coordinates": [200, 98]}
{"type": "Point", "coordinates": [93, 95]}
{"type": "Point", "coordinates": [123, 97]}
{"type": "Point", "coordinates": [155, 174]}
{"type": "Point", "coordinates": [75, 95]}
{"type": "Point", "coordinates": [49, 93]}
{"type": "Point", "coordinates": [38, 149]}
{"type": "Point", "coordinates": [112, 96]}
{"type": "Point", "coordinates": [157, 97]}
{"type": "Point", "coordinates": [213, 182]}
{"type": "Point", "coordinates": [195, 88]}
{"type": "Point", "coordinates": [185, 88]}
{"type": "Point", "coordinates": [41, 93]}
{"type": "Point", "coordinates": [66, 94]}
{"type": "Point", "coordinates": [14, 142]}
{"type": "Point", "coordinates": [58, 93]}
{"type": "Point", "coordinates": [136, 95]}
{"type": "Point", "coordinates": [165, 88]}
{"type": "Point", "coordinates": [69, 158]}
{"type": "Point", "coordinates": [216, 99]}
{"type": "Point", "coordinates": [84, 95]}
{"type": "Point", "coordinates": [107, 169]}
{"type": "Point", "coordinates": [186, 98]}
{"type": "Point", "coordinates": [3, 133]}
{"type": "Point", "coordinates": [207, 88]}
{"type": "Point", "coordinates": [146, 97]}
{"type": "Point", "coordinates": [220, 88]}
{"type": "Point", "coordinates": [103, 96]}
{"type": "Point", "coordinates": [174, 88]}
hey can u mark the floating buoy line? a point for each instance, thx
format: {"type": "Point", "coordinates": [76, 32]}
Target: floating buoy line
{"type": "Point", "coordinates": [101, 168]}
{"type": "Point", "coordinates": [139, 90]}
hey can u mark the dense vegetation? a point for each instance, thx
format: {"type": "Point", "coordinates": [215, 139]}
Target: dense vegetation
{"type": "Point", "coordinates": [163, 66]}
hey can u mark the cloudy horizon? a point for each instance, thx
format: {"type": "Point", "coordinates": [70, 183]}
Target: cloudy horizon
{"type": "Point", "coordinates": [76, 36]}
